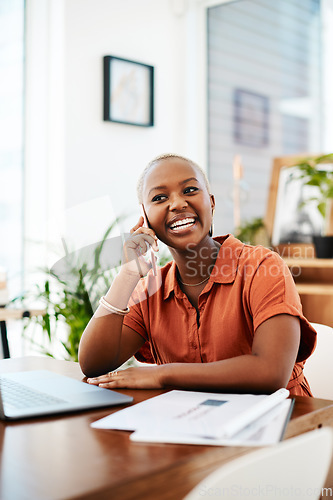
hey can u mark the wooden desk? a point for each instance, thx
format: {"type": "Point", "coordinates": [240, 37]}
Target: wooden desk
{"type": "Point", "coordinates": [62, 457]}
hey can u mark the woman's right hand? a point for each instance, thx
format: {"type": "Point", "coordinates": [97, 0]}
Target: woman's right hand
{"type": "Point", "coordinates": [136, 246]}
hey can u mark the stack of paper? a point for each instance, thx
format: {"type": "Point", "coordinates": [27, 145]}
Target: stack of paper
{"type": "Point", "coordinates": [205, 418]}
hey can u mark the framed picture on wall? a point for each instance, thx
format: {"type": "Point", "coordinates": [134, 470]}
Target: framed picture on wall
{"type": "Point", "coordinates": [128, 92]}
{"type": "Point", "coordinates": [251, 118]}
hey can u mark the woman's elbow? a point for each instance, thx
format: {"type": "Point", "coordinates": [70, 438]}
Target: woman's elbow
{"type": "Point", "coordinates": [89, 367]}
{"type": "Point", "coordinates": [91, 371]}
{"type": "Point", "coordinates": [271, 380]}
{"type": "Point", "coordinates": [85, 365]}
{"type": "Point", "coordinates": [276, 381]}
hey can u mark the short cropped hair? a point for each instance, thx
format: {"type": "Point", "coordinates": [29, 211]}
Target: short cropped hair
{"type": "Point", "coordinates": [167, 156]}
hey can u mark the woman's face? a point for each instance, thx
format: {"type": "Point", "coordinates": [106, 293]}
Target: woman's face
{"type": "Point", "coordinates": [177, 203]}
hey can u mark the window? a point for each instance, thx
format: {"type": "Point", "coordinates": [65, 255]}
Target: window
{"type": "Point", "coordinates": [11, 144]}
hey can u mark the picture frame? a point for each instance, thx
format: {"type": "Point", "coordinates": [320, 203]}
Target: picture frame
{"type": "Point", "coordinates": [282, 200]}
{"type": "Point", "coordinates": [128, 92]}
{"type": "Point", "coordinates": [251, 118]}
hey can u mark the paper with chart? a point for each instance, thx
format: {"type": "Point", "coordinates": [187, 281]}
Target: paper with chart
{"type": "Point", "coordinates": [205, 418]}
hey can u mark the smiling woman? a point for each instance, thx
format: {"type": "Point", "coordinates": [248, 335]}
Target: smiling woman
{"type": "Point", "coordinates": [222, 316]}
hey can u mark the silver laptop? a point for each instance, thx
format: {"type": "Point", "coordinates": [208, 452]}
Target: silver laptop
{"type": "Point", "coordinates": [42, 392]}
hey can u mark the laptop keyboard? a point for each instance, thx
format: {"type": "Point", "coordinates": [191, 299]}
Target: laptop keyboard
{"type": "Point", "coordinates": [19, 396]}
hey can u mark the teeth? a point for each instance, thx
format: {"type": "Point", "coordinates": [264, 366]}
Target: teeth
{"type": "Point", "coordinates": [182, 222]}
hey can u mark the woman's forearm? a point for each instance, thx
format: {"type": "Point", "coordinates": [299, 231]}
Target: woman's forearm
{"type": "Point", "coordinates": [247, 373]}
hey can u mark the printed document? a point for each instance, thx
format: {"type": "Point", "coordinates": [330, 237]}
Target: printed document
{"type": "Point", "coordinates": [205, 418]}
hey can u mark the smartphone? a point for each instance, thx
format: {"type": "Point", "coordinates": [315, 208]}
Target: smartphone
{"type": "Point", "coordinates": [152, 255]}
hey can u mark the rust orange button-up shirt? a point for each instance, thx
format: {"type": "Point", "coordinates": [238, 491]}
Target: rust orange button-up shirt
{"type": "Point", "coordinates": [247, 286]}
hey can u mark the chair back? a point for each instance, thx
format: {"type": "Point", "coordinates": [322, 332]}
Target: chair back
{"type": "Point", "coordinates": [318, 368]}
{"type": "Point", "coordinates": [295, 468]}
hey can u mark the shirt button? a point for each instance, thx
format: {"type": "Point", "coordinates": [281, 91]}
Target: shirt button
{"type": "Point", "coordinates": [193, 345]}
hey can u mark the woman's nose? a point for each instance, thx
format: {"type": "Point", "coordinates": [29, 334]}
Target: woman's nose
{"type": "Point", "coordinates": [177, 202]}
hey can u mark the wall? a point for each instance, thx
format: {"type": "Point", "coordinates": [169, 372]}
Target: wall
{"type": "Point", "coordinates": [104, 159]}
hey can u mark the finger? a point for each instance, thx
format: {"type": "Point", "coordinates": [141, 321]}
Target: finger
{"type": "Point", "coordinates": [143, 240]}
{"type": "Point", "coordinates": [140, 245]}
{"type": "Point", "coordinates": [143, 246]}
{"type": "Point", "coordinates": [117, 380]}
{"type": "Point", "coordinates": [145, 230]}
{"type": "Point", "coordinates": [102, 378]}
{"type": "Point", "coordinates": [94, 380]}
{"type": "Point", "coordinates": [112, 384]}
{"type": "Point", "coordinates": [155, 245]}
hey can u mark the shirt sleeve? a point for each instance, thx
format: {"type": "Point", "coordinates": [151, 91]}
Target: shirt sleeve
{"type": "Point", "coordinates": [272, 292]}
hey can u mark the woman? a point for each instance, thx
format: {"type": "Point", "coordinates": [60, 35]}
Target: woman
{"type": "Point", "coordinates": [222, 316]}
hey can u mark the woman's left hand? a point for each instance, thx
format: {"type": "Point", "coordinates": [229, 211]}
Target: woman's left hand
{"type": "Point", "coordinates": [131, 378]}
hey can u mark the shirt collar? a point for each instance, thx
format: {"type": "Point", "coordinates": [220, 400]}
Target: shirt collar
{"type": "Point", "coordinates": [224, 270]}
{"type": "Point", "coordinates": [227, 261]}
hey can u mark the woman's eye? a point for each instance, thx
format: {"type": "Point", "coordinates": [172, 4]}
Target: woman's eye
{"type": "Point", "coordinates": [190, 189]}
{"type": "Point", "coordinates": [159, 197]}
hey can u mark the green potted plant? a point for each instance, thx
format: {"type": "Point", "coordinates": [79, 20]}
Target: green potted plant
{"type": "Point", "coordinates": [318, 171]}
{"type": "Point", "coordinates": [70, 293]}
{"type": "Point", "coordinates": [253, 232]}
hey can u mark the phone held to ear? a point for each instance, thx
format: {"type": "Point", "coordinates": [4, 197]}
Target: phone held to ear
{"type": "Point", "coordinates": [152, 255]}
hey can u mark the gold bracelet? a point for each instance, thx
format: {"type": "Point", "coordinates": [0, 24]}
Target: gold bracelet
{"type": "Point", "coordinates": [112, 308]}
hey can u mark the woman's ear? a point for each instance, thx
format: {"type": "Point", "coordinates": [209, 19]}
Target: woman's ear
{"type": "Point", "coordinates": [212, 202]}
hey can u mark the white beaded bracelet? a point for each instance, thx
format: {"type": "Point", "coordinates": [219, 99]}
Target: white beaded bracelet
{"type": "Point", "coordinates": [113, 309]}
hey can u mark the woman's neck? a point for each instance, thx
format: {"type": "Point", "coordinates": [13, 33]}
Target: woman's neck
{"type": "Point", "coordinates": [196, 262]}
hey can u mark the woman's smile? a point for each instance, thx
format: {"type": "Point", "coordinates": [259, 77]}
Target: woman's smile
{"type": "Point", "coordinates": [181, 223]}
